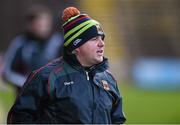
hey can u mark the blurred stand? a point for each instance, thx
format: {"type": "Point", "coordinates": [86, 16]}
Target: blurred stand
{"type": "Point", "coordinates": [151, 38]}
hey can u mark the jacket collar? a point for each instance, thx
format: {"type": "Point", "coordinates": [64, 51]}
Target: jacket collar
{"type": "Point", "coordinates": [72, 60]}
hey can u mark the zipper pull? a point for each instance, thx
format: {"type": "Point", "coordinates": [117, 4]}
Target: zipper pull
{"type": "Point", "coordinates": [87, 75]}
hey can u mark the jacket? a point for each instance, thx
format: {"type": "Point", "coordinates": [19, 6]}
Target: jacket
{"type": "Point", "coordinates": [65, 92]}
{"type": "Point", "coordinates": [28, 53]}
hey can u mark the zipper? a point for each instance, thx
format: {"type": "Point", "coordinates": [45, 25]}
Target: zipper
{"type": "Point", "coordinates": [87, 75]}
{"type": "Point", "coordinates": [92, 90]}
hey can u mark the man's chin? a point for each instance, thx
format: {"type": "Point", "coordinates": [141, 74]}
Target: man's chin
{"type": "Point", "coordinates": [99, 60]}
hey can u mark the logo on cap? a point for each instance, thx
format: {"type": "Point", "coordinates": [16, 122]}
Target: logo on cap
{"type": "Point", "coordinates": [76, 41]}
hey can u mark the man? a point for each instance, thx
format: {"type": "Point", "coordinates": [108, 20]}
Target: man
{"type": "Point", "coordinates": [76, 88]}
{"type": "Point", "coordinates": [34, 48]}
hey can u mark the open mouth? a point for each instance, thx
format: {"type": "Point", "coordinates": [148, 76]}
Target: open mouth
{"type": "Point", "coordinates": [100, 52]}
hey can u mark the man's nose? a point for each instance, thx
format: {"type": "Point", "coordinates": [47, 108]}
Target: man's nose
{"type": "Point", "coordinates": [101, 42]}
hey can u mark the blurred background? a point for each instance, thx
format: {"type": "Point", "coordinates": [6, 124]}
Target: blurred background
{"type": "Point", "coordinates": [142, 44]}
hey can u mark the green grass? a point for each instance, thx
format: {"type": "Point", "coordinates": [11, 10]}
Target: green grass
{"type": "Point", "coordinates": [150, 107]}
{"type": "Point", "coordinates": [140, 106]}
{"type": "Point", "coordinates": [7, 97]}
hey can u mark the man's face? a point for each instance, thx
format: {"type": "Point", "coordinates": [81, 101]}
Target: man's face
{"type": "Point", "coordinates": [91, 52]}
{"type": "Point", "coordinates": [41, 26]}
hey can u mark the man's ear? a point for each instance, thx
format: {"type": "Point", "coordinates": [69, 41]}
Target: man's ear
{"type": "Point", "coordinates": [75, 51]}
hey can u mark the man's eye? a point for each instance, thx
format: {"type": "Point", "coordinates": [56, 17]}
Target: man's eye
{"type": "Point", "coordinates": [95, 38]}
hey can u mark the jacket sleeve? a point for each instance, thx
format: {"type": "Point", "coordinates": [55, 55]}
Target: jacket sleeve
{"type": "Point", "coordinates": [118, 116]}
{"type": "Point", "coordinates": [11, 57]}
{"type": "Point", "coordinates": [27, 105]}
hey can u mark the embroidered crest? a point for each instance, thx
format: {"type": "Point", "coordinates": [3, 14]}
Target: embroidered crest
{"type": "Point", "coordinates": [105, 85]}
